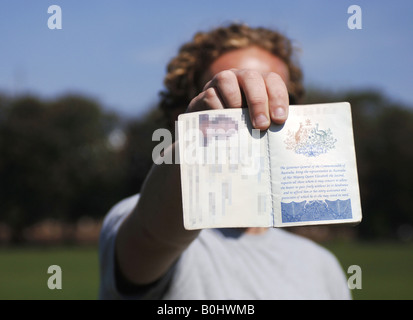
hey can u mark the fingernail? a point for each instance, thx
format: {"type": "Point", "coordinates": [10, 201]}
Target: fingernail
{"type": "Point", "coordinates": [261, 121]}
{"type": "Point", "coordinates": [279, 113]}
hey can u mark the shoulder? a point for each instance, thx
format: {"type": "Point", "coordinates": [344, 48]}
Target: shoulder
{"type": "Point", "coordinates": [114, 218]}
{"type": "Point", "coordinates": [124, 206]}
{"type": "Point", "coordinates": [119, 212]}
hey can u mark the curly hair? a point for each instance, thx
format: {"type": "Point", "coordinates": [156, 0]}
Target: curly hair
{"type": "Point", "coordinates": [184, 72]}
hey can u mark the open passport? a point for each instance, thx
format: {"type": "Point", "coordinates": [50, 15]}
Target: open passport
{"type": "Point", "coordinates": [300, 173]}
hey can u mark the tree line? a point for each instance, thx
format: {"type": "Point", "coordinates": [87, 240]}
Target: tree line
{"type": "Point", "coordinates": [69, 158]}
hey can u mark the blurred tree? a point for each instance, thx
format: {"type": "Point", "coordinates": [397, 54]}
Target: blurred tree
{"type": "Point", "coordinates": [55, 160]}
{"type": "Point", "coordinates": [138, 149]}
{"type": "Point", "coordinates": [69, 158]}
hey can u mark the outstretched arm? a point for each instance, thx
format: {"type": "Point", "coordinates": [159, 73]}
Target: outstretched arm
{"type": "Point", "coordinates": [152, 237]}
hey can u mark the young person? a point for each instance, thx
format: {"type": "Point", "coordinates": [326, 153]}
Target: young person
{"type": "Point", "coordinates": [145, 252]}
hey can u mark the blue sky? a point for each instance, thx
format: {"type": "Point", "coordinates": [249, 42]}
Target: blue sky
{"type": "Point", "coordinates": [116, 51]}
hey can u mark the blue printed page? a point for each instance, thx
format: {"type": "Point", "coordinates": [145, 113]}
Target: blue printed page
{"type": "Point", "coordinates": [224, 170]}
{"type": "Point", "coordinates": [313, 167]}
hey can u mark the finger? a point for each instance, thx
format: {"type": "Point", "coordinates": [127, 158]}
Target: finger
{"type": "Point", "coordinates": [278, 100]}
{"type": "Point", "coordinates": [226, 83]}
{"type": "Point", "coordinates": [254, 88]}
{"type": "Point", "coordinates": [206, 100]}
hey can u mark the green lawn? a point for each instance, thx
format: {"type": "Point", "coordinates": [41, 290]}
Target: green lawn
{"type": "Point", "coordinates": [387, 268]}
{"type": "Point", "coordinates": [23, 273]}
{"type": "Point", "coordinates": [387, 271]}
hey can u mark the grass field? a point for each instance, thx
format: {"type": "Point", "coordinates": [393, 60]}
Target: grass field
{"type": "Point", "coordinates": [387, 268]}
{"type": "Point", "coordinates": [387, 271]}
{"type": "Point", "coordinates": [23, 273]}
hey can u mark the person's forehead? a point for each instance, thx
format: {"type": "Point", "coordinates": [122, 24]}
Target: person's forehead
{"type": "Point", "coordinates": [253, 58]}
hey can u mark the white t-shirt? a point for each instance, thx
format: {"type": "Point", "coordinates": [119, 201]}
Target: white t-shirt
{"type": "Point", "coordinates": [228, 264]}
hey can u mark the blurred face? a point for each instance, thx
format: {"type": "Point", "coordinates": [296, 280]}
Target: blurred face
{"type": "Point", "coordinates": [253, 58]}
